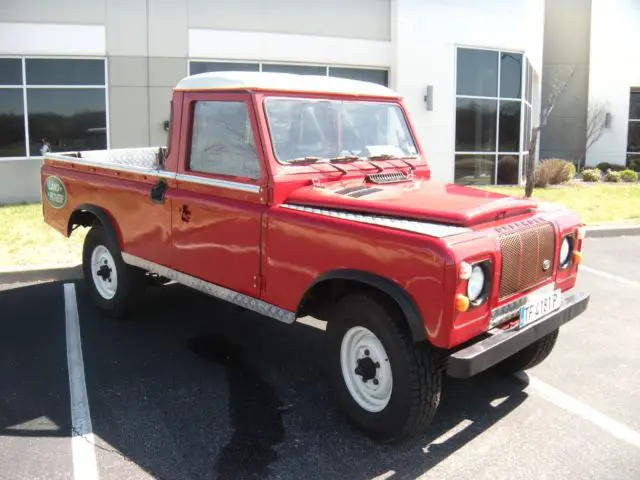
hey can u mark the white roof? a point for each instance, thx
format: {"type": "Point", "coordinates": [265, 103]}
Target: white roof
{"type": "Point", "coordinates": [282, 82]}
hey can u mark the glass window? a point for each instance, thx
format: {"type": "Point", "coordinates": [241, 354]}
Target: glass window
{"type": "Point", "coordinates": [42, 71]}
{"type": "Point", "coordinates": [66, 119]}
{"type": "Point", "coordinates": [381, 77]}
{"type": "Point", "coordinates": [634, 105]}
{"type": "Point", "coordinates": [297, 69]}
{"type": "Point", "coordinates": [10, 71]}
{"type": "Point", "coordinates": [633, 142]}
{"type": "Point", "coordinates": [510, 75]}
{"type": "Point", "coordinates": [12, 139]}
{"type": "Point", "coordinates": [202, 67]}
{"type": "Point", "coordinates": [509, 134]}
{"type": "Point", "coordinates": [527, 128]}
{"type": "Point", "coordinates": [476, 125]}
{"type": "Point", "coordinates": [222, 140]}
{"type": "Point", "coordinates": [477, 73]}
{"type": "Point", "coordinates": [475, 169]}
{"type": "Point", "coordinates": [507, 169]}
{"type": "Point", "coordinates": [331, 128]}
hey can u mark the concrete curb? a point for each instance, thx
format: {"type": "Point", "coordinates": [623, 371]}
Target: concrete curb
{"type": "Point", "coordinates": [41, 273]}
{"type": "Point", "coordinates": [604, 231]}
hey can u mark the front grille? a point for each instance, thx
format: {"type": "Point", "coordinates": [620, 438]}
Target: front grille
{"type": "Point", "coordinates": [523, 255]}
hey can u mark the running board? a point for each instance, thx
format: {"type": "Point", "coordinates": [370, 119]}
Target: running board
{"type": "Point", "coordinates": [231, 296]}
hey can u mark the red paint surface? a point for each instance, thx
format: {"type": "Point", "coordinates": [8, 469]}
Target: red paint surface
{"type": "Point", "coordinates": [249, 243]}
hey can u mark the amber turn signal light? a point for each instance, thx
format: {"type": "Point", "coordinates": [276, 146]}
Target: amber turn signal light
{"type": "Point", "coordinates": [577, 258]}
{"type": "Point", "coordinates": [462, 303]}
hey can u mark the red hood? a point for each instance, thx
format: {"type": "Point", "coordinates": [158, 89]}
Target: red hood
{"type": "Point", "coordinates": [420, 199]}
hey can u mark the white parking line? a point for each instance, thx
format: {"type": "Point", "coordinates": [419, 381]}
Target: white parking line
{"type": "Point", "coordinates": [82, 439]}
{"type": "Point", "coordinates": [583, 410]}
{"type": "Point", "coordinates": [610, 276]}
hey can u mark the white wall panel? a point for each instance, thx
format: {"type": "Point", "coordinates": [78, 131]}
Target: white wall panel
{"type": "Point", "coordinates": [221, 44]}
{"type": "Point", "coordinates": [48, 39]}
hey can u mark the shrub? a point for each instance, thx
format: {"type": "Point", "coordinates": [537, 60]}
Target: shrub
{"type": "Point", "coordinates": [604, 167]}
{"type": "Point", "coordinates": [591, 175]}
{"type": "Point", "coordinates": [633, 164]}
{"type": "Point", "coordinates": [628, 176]}
{"type": "Point", "coordinates": [554, 172]}
{"type": "Point", "coordinates": [612, 176]}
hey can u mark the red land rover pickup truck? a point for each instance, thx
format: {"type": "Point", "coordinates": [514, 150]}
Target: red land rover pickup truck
{"type": "Point", "coordinates": [300, 196]}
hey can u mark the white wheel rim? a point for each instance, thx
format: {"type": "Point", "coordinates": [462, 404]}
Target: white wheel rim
{"type": "Point", "coordinates": [366, 369]}
{"type": "Point", "coordinates": [104, 273]}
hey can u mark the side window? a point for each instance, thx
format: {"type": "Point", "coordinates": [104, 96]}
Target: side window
{"type": "Point", "coordinates": [222, 141]}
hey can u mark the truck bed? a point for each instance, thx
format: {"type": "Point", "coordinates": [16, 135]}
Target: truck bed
{"type": "Point", "coordinates": [144, 158]}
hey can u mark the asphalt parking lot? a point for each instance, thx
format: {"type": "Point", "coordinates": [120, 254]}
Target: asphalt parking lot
{"type": "Point", "coordinates": [198, 389]}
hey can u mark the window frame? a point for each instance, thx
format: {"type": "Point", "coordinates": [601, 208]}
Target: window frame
{"type": "Point", "coordinates": [523, 100]}
{"type": "Point", "coordinates": [630, 120]}
{"type": "Point", "coordinates": [25, 87]}
{"type": "Point", "coordinates": [191, 99]}
{"type": "Point", "coordinates": [327, 67]}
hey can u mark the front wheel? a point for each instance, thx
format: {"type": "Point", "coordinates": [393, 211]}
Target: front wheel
{"type": "Point", "coordinates": [388, 386]}
{"type": "Point", "coordinates": [113, 285]}
{"type": "Point", "coordinates": [529, 356]}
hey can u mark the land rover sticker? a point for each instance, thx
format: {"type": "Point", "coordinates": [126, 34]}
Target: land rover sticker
{"type": "Point", "coordinates": [55, 192]}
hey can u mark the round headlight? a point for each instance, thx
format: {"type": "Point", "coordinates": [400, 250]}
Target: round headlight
{"type": "Point", "coordinates": [565, 251]}
{"type": "Point", "coordinates": [475, 287]}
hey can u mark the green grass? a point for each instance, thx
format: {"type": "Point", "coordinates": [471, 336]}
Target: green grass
{"type": "Point", "coordinates": [599, 203]}
{"type": "Point", "coordinates": [25, 239]}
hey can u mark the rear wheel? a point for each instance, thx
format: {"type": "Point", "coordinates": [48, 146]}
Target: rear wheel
{"type": "Point", "coordinates": [388, 386]}
{"type": "Point", "coordinates": [529, 356]}
{"type": "Point", "coordinates": [113, 285]}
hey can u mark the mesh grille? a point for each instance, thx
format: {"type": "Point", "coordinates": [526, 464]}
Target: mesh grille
{"type": "Point", "coordinates": [523, 253]}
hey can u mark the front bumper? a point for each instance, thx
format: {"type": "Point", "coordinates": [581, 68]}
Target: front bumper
{"type": "Point", "coordinates": [502, 344]}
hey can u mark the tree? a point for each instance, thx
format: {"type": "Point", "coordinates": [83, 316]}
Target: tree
{"type": "Point", "coordinates": [596, 124]}
{"type": "Point", "coordinates": [557, 85]}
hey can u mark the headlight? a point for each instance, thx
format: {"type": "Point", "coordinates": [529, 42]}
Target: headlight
{"type": "Point", "coordinates": [475, 286]}
{"type": "Point", "coordinates": [565, 252]}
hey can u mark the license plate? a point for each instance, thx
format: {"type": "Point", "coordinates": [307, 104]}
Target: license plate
{"type": "Point", "coordinates": [538, 306]}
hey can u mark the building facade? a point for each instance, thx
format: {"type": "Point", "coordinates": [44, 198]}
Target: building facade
{"type": "Point", "coordinates": [93, 74]}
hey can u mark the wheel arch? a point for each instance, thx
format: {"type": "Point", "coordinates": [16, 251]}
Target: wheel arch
{"type": "Point", "coordinates": [87, 215]}
{"type": "Point", "coordinates": [336, 283]}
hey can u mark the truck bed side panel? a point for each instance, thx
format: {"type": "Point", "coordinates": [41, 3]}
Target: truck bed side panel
{"type": "Point", "coordinates": [144, 227]}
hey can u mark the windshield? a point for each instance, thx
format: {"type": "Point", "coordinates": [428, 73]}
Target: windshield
{"type": "Point", "coordinates": [309, 128]}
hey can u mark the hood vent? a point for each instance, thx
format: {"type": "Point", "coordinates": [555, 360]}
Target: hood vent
{"type": "Point", "coordinates": [357, 192]}
{"type": "Point", "coordinates": [392, 177]}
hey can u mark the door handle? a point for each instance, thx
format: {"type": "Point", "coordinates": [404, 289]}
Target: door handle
{"type": "Point", "coordinates": [157, 191]}
{"type": "Point", "coordinates": [185, 213]}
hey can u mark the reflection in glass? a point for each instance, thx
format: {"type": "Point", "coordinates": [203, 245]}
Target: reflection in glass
{"type": "Point", "coordinates": [508, 169]}
{"type": "Point", "coordinates": [381, 77]}
{"type": "Point", "coordinates": [202, 67]}
{"type": "Point", "coordinates": [49, 71]}
{"type": "Point", "coordinates": [509, 135]}
{"type": "Point", "coordinates": [66, 119]}
{"type": "Point", "coordinates": [12, 139]}
{"type": "Point", "coordinates": [633, 139]}
{"type": "Point", "coordinates": [296, 69]}
{"type": "Point", "coordinates": [10, 71]}
{"type": "Point", "coordinates": [475, 125]}
{"type": "Point", "coordinates": [475, 169]}
{"type": "Point", "coordinates": [477, 72]}
{"type": "Point", "coordinates": [510, 75]}
{"type": "Point", "coordinates": [634, 105]}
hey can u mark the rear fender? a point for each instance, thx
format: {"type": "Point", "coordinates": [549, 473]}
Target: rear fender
{"type": "Point", "coordinates": [88, 215]}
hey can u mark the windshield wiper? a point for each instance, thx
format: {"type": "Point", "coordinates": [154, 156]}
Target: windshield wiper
{"type": "Point", "coordinates": [388, 156]}
{"type": "Point", "coordinates": [314, 160]}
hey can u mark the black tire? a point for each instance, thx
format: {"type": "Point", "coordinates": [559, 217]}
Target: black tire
{"type": "Point", "coordinates": [130, 280]}
{"type": "Point", "coordinates": [529, 356]}
{"type": "Point", "coordinates": [415, 393]}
